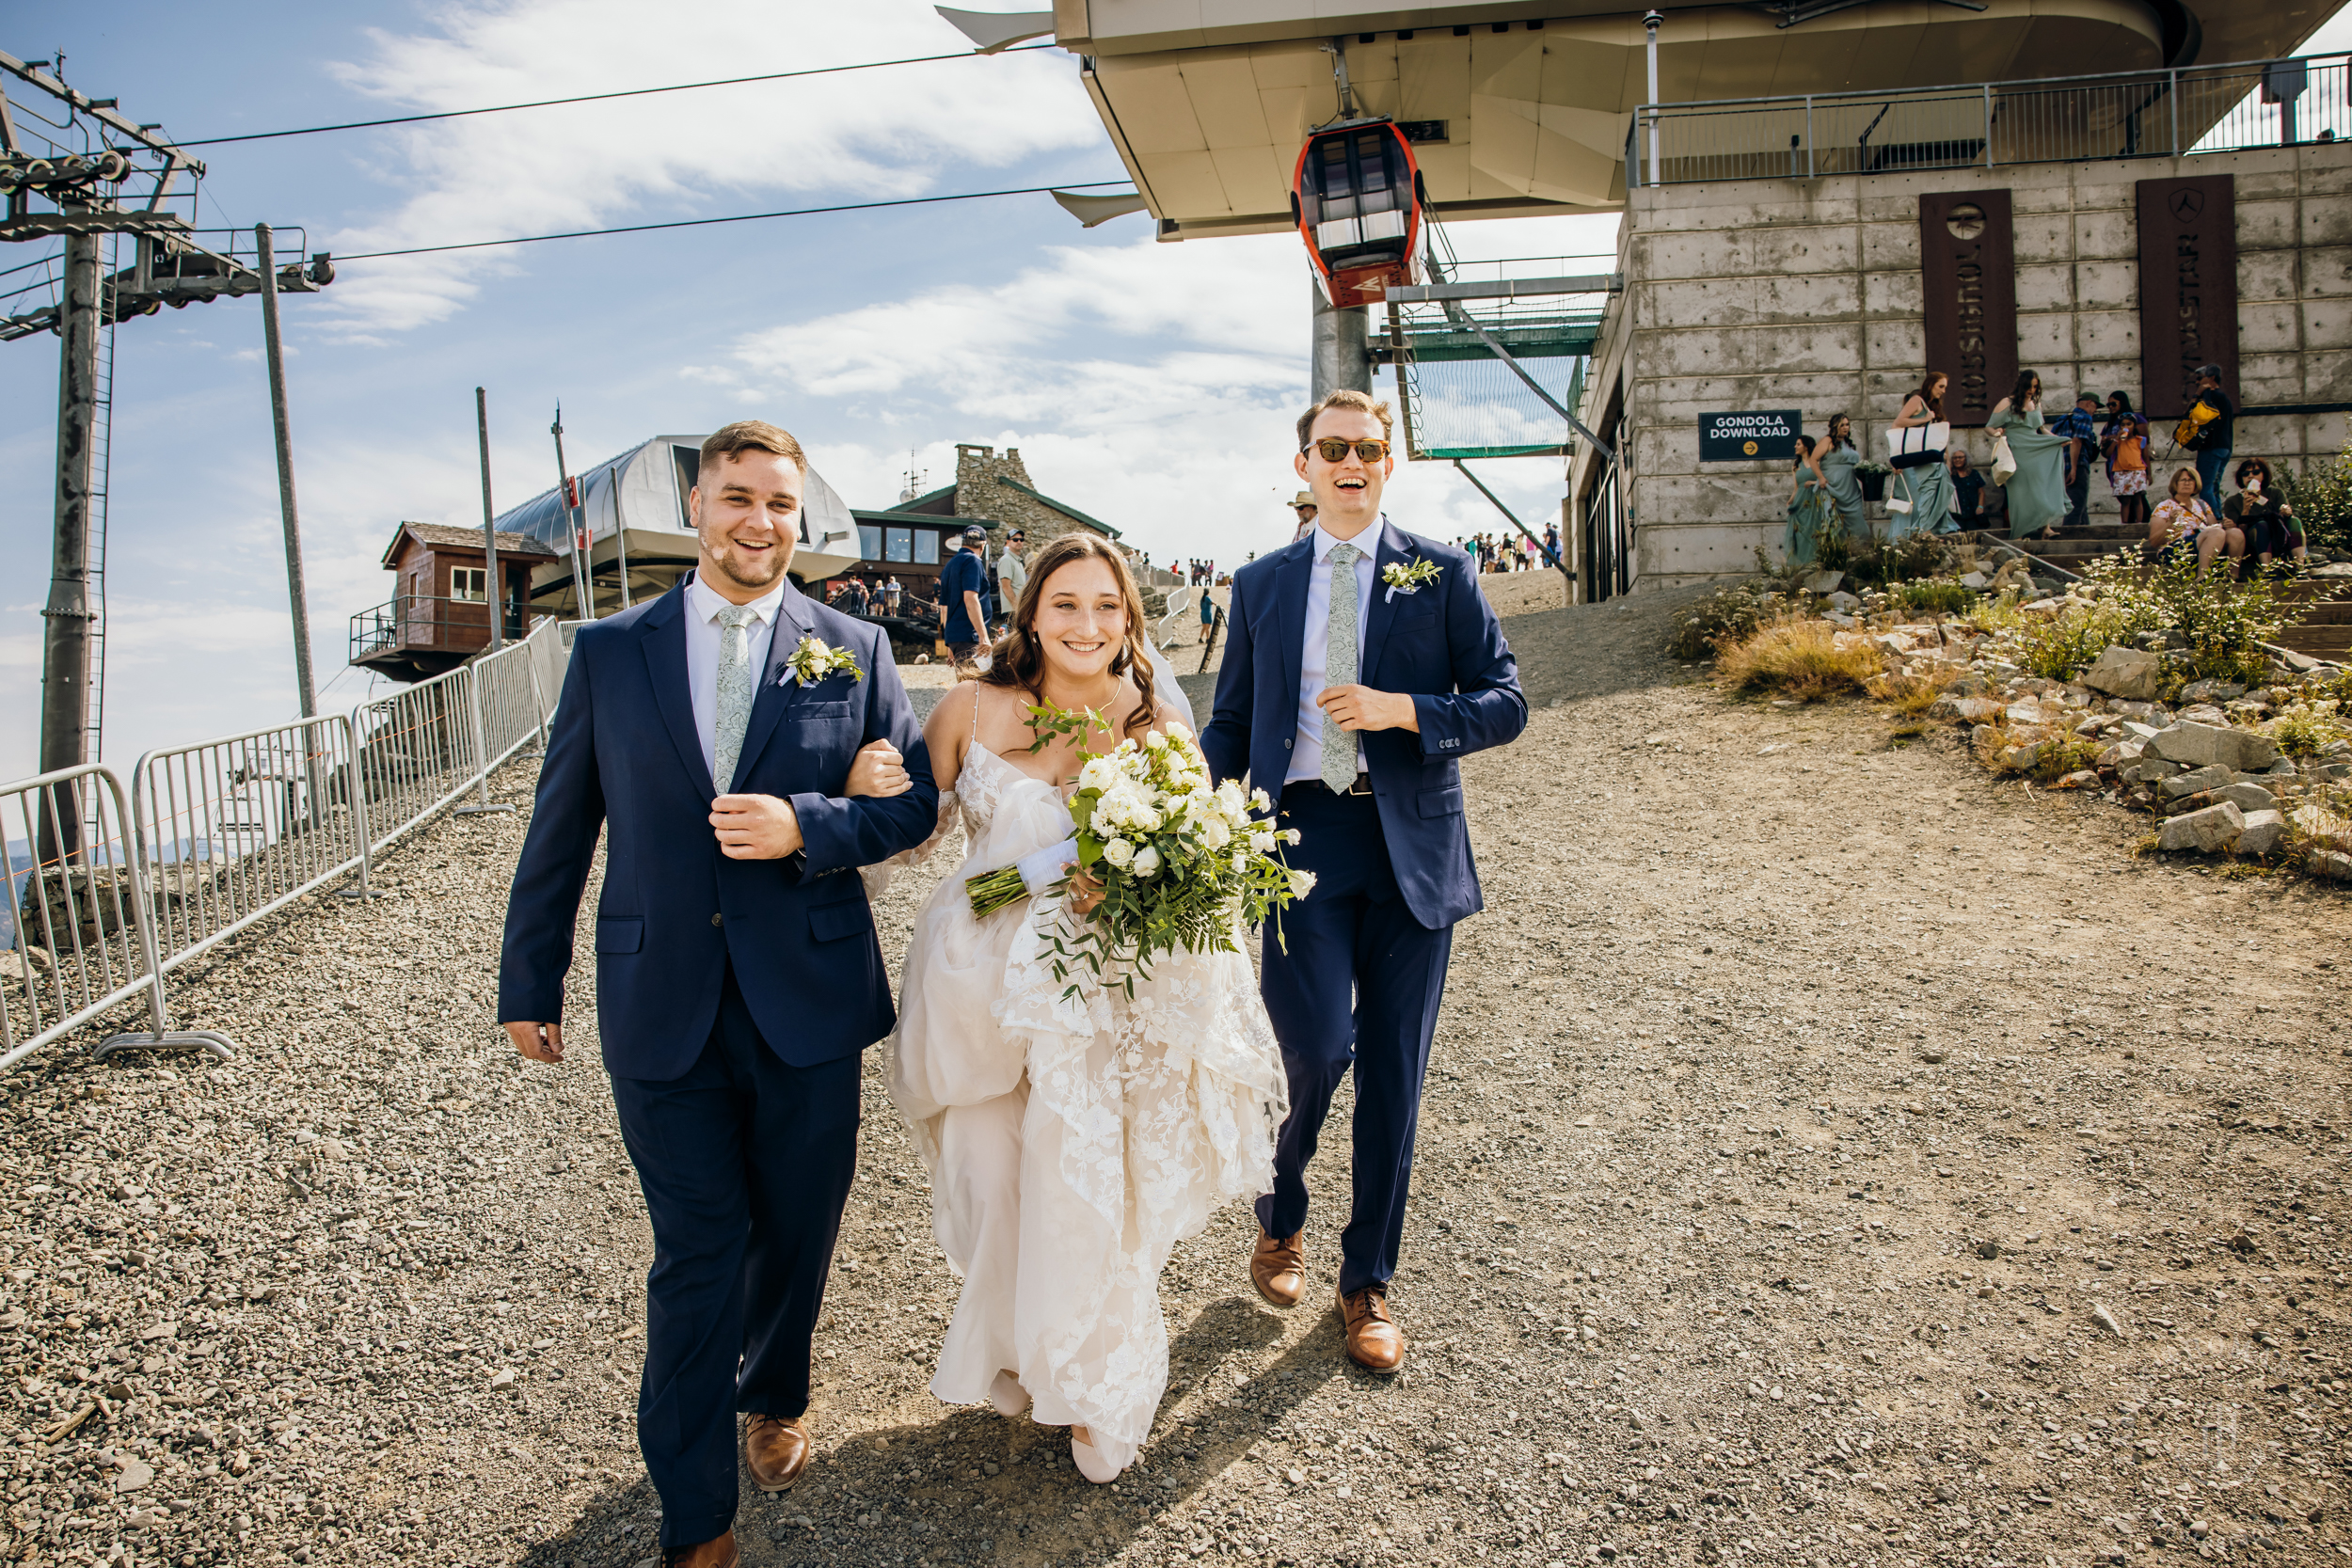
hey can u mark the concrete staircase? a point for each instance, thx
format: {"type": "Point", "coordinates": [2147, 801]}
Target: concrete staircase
{"type": "Point", "coordinates": [2321, 629]}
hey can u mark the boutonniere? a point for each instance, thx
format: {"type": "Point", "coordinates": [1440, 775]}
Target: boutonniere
{"type": "Point", "coordinates": [814, 659]}
{"type": "Point", "coordinates": [1408, 577]}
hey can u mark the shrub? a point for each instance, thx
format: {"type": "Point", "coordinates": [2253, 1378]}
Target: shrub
{"type": "Point", "coordinates": [2302, 731]}
{"type": "Point", "coordinates": [1910, 696]}
{"type": "Point", "coordinates": [1913, 555]}
{"type": "Point", "coordinates": [2062, 757]}
{"type": "Point", "coordinates": [2058, 647]}
{"type": "Point", "coordinates": [1934, 596]}
{"type": "Point", "coordinates": [2322, 499]}
{"type": "Point", "coordinates": [1796, 658]}
{"type": "Point", "coordinates": [1995, 615]}
{"type": "Point", "coordinates": [1726, 613]}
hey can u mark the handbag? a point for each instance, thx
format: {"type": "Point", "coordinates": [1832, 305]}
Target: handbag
{"type": "Point", "coordinates": [2004, 462]}
{"type": "Point", "coordinates": [1915, 446]}
{"type": "Point", "coordinates": [1901, 507]}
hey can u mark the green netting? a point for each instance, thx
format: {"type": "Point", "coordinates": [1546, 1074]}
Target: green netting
{"type": "Point", "coordinates": [1461, 401]}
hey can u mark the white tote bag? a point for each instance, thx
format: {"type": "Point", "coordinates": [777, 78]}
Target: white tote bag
{"type": "Point", "coordinates": [2004, 462]}
{"type": "Point", "coordinates": [1917, 445]}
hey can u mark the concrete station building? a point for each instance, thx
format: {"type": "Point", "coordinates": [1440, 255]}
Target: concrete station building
{"type": "Point", "coordinates": [1820, 174]}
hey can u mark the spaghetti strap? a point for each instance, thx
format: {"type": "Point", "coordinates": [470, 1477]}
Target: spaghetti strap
{"type": "Point", "coordinates": [976, 711]}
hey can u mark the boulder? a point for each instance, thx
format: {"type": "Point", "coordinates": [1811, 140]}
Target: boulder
{"type": "Point", "coordinates": [2212, 692]}
{"type": "Point", "coordinates": [1968, 710]}
{"type": "Point", "coordinates": [2125, 672]}
{"type": "Point", "coordinates": [2206, 745]}
{"type": "Point", "coordinates": [2215, 828]}
{"type": "Point", "coordinates": [1976, 580]}
{"type": "Point", "coordinates": [2148, 769]}
{"type": "Point", "coordinates": [2195, 781]}
{"type": "Point", "coordinates": [2329, 863]}
{"type": "Point", "coordinates": [2262, 832]}
{"type": "Point", "coordinates": [2327, 830]}
{"type": "Point", "coordinates": [2249, 797]}
{"type": "Point", "coordinates": [2118, 754]}
{"type": "Point", "coordinates": [2084, 778]}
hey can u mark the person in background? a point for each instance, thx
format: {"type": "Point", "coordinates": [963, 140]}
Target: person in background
{"type": "Point", "coordinates": [1208, 612]}
{"type": "Point", "coordinates": [2214, 441]}
{"type": "Point", "coordinates": [1926, 485]}
{"type": "Point", "coordinates": [1551, 543]}
{"type": "Point", "coordinates": [962, 582]}
{"type": "Point", "coordinates": [2126, 443]}
{"type": "Point", "coordinates": [1012, 574]}
{"type": "Point", "coordinates": [1834, 459]}
{"type": "Point", "coordinates": [1809, 510]}
{"type": "Point", "coordinates": [2036, 493]}
{"type": "Point", "coordinates": [2260, 513]}
{"type": "Point", "coordinates": [2183, 521]}
{"type": "Point", "coordinates": [893, 595]}
{"type": "Point", "coordinates": [2081, 431]}
{"type": "Point", "coordinates": [1967, 502]}
{"type": "Point", "coordinates": [1303, 508]}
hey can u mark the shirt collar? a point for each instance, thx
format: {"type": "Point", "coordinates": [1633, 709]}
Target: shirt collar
{"type": "Point", "coordinates": [706, 605]}
{"type": "Point", "coordinates": [1368, 541]}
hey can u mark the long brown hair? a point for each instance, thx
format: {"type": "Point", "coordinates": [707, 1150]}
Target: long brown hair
{"type": "Point", "coordinates": [2028, 381]}
{"type": "Point", "coordinates": [1020, 664]}
{"type": "Point", "coordinates": [1926, 394]}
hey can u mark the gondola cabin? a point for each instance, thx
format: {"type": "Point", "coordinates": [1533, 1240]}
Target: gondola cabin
{"type": "Point", "coordinates": [1357, 198]}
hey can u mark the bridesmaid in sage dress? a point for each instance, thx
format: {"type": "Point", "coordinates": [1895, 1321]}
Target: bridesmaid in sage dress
{"type": "Point", "coordinates": [1926, 485]}
{"type": "Point", "coordinates": [1834, 458]}
{"type": "Point", "coordinates": [1808, 507]}
{"type": "Point", "coordinates": [2037, 491]}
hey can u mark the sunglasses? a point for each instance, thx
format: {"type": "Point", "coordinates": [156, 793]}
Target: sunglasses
{"type": "Point", "coordinates": [1336, 451]}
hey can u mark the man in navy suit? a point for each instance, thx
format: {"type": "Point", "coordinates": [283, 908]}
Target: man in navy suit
{"type": "Point", "coordinates": [1364, 664]}
{"type": "Point", "coordinates": [738, 974]}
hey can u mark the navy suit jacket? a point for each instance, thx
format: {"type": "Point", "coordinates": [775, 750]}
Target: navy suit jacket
{"type": "Point", "coordinates": [1441, 644]}
{"type": "Point", "coordinates": [624, 756]}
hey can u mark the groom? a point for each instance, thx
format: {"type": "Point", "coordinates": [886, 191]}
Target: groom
{"type": "Point", "coordinates": [1364, 664]}
{"type": "Point", "coordinates": [737, 975]}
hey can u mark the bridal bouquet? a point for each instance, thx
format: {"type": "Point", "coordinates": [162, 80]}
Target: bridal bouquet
{"type": "Point", "coordinates": [1178, 860]}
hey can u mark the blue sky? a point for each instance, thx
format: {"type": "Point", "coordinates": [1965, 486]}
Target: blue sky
{"type": "Point", "coordinates": [1150, 385]}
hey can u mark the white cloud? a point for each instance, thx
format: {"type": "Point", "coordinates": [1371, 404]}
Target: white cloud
{"type": "Point", "coordinates": [859, 135]}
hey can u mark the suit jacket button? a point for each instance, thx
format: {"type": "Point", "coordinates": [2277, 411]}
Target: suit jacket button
{"type": "Point", "coordinates": [717, 920]}
{"type": "Point", "coordinates": [1286, 745]}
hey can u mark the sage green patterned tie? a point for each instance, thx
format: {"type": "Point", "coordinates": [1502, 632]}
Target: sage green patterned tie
{"type": "Point", "coordinates": [736, 687]}
{"type": "Point", "coordinates": [1339, 668]}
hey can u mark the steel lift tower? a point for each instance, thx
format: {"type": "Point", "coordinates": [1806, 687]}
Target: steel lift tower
{"type": "Point", "coordinates": [75, 170]}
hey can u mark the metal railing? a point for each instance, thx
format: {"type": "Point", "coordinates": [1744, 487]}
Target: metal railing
{"type": "Point", "coordinates": [80, 935]}
{"type": "Point", "coordinates": [107, 899]}
{"type": "Point", "coordinates": [433, 626]}
{"type": "Point", "coordinates": [2219, 108]}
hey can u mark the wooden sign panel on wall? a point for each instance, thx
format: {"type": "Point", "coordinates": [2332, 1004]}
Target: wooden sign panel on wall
{"type": "Point", "coordinates": [1968, 278]}
{"type": "Point", "coordinates": [2187, 288]}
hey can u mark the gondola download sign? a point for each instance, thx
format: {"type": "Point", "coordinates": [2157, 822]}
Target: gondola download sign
{"type": "Point", "coordinates": [1760, 435]}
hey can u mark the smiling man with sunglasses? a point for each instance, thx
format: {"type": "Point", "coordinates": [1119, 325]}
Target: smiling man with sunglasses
{"type": "Point", "coordinates": [1364, 664]}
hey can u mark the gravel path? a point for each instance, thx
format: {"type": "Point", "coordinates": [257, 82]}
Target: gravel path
{"type": "Point", "coordinates": [1831, 1157]}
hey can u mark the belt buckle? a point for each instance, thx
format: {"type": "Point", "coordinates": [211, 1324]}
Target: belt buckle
{"type": "Point", "coordinates": [1362, 784]}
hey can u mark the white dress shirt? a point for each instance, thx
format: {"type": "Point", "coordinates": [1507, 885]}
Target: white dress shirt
{"type": "Point", "coordinates": [702, 633]}
{"type": "Point", "coordinates": [1307, 751]}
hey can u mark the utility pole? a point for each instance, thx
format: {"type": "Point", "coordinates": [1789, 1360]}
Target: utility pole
{"type": "Point", "coordinates": [1651, 21]}
{"type": "Point", "coordinates": [583, 607]}
{"type": "Point", "coordinates": [76, 190]}
{"type": "Point", "coordinates": [489, 528]}
{"type": "Point", "coordinates": [65, 654]}
{"type": "Point", "coordinates": [286, 514]}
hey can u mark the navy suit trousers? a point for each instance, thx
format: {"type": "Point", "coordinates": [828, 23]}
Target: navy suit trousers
{"type": "Point", "coordinates": [745, 1161]}
{"type": "Point", "coordinates": [1359, 986]}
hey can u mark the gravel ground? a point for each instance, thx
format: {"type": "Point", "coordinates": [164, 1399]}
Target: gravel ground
{"type": "Point", "coordinates": [1831, 1157]}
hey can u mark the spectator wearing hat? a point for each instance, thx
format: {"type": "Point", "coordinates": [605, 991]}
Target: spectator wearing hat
{"type": "Point", "coordinates": [2081, 430]}
{"type": "Point", "coordinates": [962, 582]}
{"type": "Point", "coordinates": [1303, 505]}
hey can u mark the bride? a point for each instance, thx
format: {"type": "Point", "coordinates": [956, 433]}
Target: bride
{"type": "Point", "coordinates": [1071, 1141]}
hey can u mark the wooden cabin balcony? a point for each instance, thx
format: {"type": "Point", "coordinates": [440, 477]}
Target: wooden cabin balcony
{"type": "Point", "coordinates": [412, 638]}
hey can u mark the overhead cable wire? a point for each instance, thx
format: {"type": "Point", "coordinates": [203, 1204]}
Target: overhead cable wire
{"type": "Point", "coordinates": [739, 217]}
{"type": "Point", "coordinates": [598, 97]}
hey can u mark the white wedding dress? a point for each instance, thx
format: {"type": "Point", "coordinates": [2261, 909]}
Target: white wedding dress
{"type": "Point", "coordinates": [1072, 1143]}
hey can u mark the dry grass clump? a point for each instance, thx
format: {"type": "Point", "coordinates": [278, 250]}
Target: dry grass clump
{"type": "Point", "coordinates": [1910, 696]}
{"type": "Point", "coordinates": [1798, 659]}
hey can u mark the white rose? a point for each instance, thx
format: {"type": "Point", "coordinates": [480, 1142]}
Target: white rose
{"type": "Point", "coordinates": [1302, 883]}
{"type": "Point", "coordinates": [1157, 742]}
{"type": "Point", "coordinates": [1147, 862]}
{"type": "Point", "coordinates": [1290, 835]}
{"type": "Point", "coordinates": [1263, 843]}
{"type": "Point", "coordinates": [1214, 834]}
{"type": "Point", "coordinates": [1231, 799]}
{"type": "Point", "coordinates": [1178, 731]}
{"type": "Point", "coordinates": [1118, 851]}
{"type": "Point", "coordinates": [1260, 800]}
{"type": "Point", "coordinates": [1099, 773]}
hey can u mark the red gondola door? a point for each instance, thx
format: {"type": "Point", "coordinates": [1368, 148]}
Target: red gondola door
{"type": "Point", "coordinates": [1356, 195]}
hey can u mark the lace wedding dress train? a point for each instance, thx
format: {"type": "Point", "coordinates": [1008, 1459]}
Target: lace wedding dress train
{"type": "Point", "coordinates": [1071, 1141]}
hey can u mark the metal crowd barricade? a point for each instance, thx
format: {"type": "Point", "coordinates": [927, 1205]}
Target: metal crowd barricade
{"type": "Point", "coordinates": [234, 828]}
{"type": "Point", "coordinates": [106, 898]}
{"type": "Point", "coordinates": [79, 933]}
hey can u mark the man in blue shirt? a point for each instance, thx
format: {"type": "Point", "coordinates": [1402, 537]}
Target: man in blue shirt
{"type": "Point", "coordinates": [962, 582]}
{"type": "Point", "coordinates": [2081, 430]}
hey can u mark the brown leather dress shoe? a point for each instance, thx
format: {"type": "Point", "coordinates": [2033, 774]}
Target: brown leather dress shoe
{"type": "Point", "coordinates": [775, 1450]}
{"type": "Point", "coordinates": [1278, 1271]}
{"type": "Point", "coordinates": [711, 1554]}
{"type": "Point", "coordinates": [1374, 1341]}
